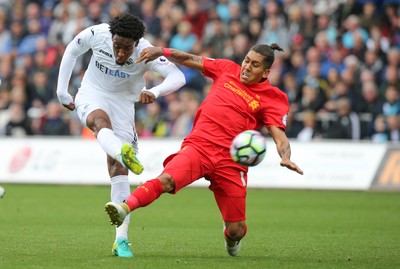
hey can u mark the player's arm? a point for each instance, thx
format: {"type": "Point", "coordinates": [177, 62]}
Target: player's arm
{"type": "Point", "coordinates": [75, 48]}
{"type": "Point", "coordinates": [175, 56]}
{"type": "Point", "coordinates": [283, 148]}
{"type": "Point", "coordinates": [174, 79]}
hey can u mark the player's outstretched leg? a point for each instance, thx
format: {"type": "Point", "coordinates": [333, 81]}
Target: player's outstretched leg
{"type": "Point", "coordinates": [117, 212]}
{"type": "Point", "coordinates": [121, 248]}
{"type": "Point", "coordinates": [129, 159]}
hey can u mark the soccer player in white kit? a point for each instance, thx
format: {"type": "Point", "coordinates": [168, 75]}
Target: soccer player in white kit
{"type": "Point", "coordinates": [111, 85]}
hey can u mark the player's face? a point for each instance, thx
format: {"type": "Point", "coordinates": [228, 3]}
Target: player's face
{"type": "Point", "coordinates": [123, 48]}
{"type": "Point", "coordinates": [253, 70]}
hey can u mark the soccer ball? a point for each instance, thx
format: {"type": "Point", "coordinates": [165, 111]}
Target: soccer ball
{"type": "Point", "coordinates": [2, 192]}
{"type": "Point", "coordinates": [248, 148]}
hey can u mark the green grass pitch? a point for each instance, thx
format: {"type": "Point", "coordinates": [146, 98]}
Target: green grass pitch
{"type": "Point", "coordinates": [57, 226]}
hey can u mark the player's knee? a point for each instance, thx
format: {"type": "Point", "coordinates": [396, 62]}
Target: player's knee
{"type": "Point", "coordinates": [167, 182]}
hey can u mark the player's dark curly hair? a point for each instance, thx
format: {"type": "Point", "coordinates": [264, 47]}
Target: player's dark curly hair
{"type": "Point", "coordinates": [128, 26]}
{"type": "Point", "coordinates": [268, 52]}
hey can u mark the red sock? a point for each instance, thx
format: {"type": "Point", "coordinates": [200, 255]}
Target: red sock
{"type": "Point", "coordinates": [145, 194]}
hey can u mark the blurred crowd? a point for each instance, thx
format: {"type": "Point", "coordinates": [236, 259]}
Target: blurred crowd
{"type": "Point", "coordinates": [340, 68]}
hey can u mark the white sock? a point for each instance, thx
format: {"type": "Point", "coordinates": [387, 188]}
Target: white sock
{"type": "Point", "coordinates": [110, 143]}
{"type": "Point", "coordinates": [120, 190]}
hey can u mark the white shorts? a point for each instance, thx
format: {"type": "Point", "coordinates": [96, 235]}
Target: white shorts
{"type": "Point", "coordinates": [119, 108]}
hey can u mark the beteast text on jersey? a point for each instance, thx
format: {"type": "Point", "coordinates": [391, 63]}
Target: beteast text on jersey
{"type": "Point", "coordinates": [111, 72]}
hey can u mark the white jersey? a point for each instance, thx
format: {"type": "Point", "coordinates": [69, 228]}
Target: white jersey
{"type": "Point", "coordinates": [104, 74]}
{"type": "Point", "coordinates": [111, 87]}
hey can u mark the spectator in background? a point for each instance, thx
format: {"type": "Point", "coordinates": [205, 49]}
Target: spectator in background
{"type": "Point", "coordinates": [274, 31]}
{"type": "Point", "coordinates": [222, 9]}
{"type": "Point", "coordinates": [347, 124]}
{"type": "Point", "coordinates": [392, 57]}
{"type": "Point", "coordinates": [373, 63]}
{"type": "Point", "coordinates": [5, 35]}
{"type": "Point", "coordinates": [253, 31]}
{"type": "Point", "coordinates": [216, 39]}
{"type": "Point", "coordinates": [196, 16]}
{"type": "Point", "coordinates": [93, 16]}
{"type": "Point", "coordinates": [391, 106]}
{"type": "Point", "coordinates": [309, 22]}
{"type": "Point", "coordinates": [289, 86]}
{"type": "Point", "coordinates": [56, 30]}
{"type": "Point", "coordinates": [184, 39]}
{"type": "Point", "coordinates": [17, 31]}
{"type": "Point", "coordinates": [370, 103]}
{"type": "Point", "coordinates": [240, 45]}
{"type": "Point", "coordinates": [235, 28]}
{"type": "Point", "coordinates": [294, 20]}
{"type": "Point", "coordinates": [71, 7]}
{"type": "Point", "coordinates": [297, 66]}
{"type": "Point", "coordinates": [334, 60]}
{"type": "Point", "coordinates": [390, 78]}
{"type": "Point", "coordinates": [316, 81]}
{"type": "Point", "coordinates": [353, 31]}
{"type": "Point", "coordinates": [173, 113]}
{"type": "Point", "coordinates": [339, 90]}
{"type": "Point", "coordinates": [368, 15]}
{"type": "Point", "coordinates": [150, 18]}
{"type": "Point", "coordinates": [310, 129]}
{"type": "Point", "coordinates": [28, 42]}
{"type": "Point", "coordinates": [18, 125]}
{"type": "Point", "coordinates": [167, 30]}
{"type": "Point", "coordinates": [46, 17]}
{"type": "Point", "coordinates": [36, 114]}
{"type": "Point", "coordinates": [393, 123]}
{"type": "Point", "coordinates": [379, 133]}
{"type": "Point", "coordinates": [190, 101]}
{"type": "Point", "coordinates": [333, 77]}
{"type": "Point", "coordinates": [4, 109]}
{"type": "Point", "coordinates": [39, 88]}
{"type": "Point", "coordinates": [312, 98]}
{"type": "Point", "coordinates": [325, 23]}
{"type": "Point", "coordinates": [53, 122]}
{"type": "Point", "coordinates": [377, 41]}
{"type": "Point", "coordinates": [154, 120]}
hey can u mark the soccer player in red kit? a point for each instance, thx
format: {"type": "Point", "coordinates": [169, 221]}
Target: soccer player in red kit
{"type": "Point", "coordinates": [241, 98]}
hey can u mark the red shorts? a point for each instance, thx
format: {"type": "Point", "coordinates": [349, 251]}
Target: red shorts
{"type": "Point", "coordinates": [228, 180]}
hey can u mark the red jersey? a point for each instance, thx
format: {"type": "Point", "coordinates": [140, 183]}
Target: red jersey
{"type": "Point", "coordinates": [232, 107]}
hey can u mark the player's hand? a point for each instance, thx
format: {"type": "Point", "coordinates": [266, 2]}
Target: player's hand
{"type": "Point", "coordinates": [67, 100]}
{"type": "Point", "coordinates": [71, 106]}
{"type": "Point", "coordinates": [147, 97]}
{"type": "Point", "coordinates": [291, 165]}
{"type": "Point", "coordinates": [149, 54]}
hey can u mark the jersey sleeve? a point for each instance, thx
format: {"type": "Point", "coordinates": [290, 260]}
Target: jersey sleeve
{"type": "Point", "coordinates": [174, 78]}
{"type": "Point", "coordinates": [276, 112]}
{"type": "Point", "coordinates": [78, 46]}
{"type": "Point", "coordinates": [213, 68]}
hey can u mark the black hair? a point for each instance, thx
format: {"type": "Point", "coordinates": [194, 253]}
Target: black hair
{"type": "Point", "coordinates": [268, 52]}
{"type": "Point", "coordinates": [128, 26]}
